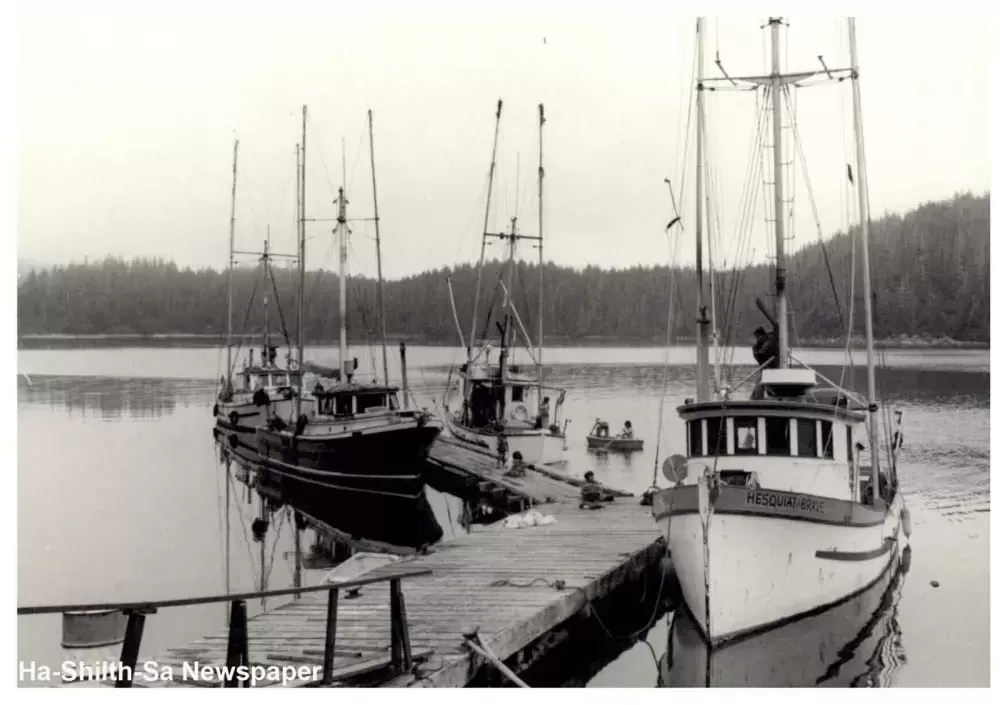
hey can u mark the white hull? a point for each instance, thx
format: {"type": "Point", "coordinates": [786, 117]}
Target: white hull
{"type": "Point", "coordinates": [537, 446]}
{"type": "Point", "coordinates": [742, 571]}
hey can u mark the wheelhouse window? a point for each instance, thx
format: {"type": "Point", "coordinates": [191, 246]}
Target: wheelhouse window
{"type": "Point", "coordinates": [336, 405]}
{"type": "Point", "coordinates": [517, 394]}
{"type": "Point", "coordinates": [746, 435]}
{"type": "Point", "coordinates": [368, 403]}
{"type": "Point", "coordinates": [807, 438]}
{"type": "Point", "coordinates": [778, 434]}
{"type": "Point", "coordinates": [826, 428]}
{"type": "Point", "coordinates": [716, 436]}
{"type": "Point", "coordinates": [694, 431]}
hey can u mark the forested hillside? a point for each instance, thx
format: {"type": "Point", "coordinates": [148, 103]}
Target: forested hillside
{"type": "Point", "coordinates": [930, 273]}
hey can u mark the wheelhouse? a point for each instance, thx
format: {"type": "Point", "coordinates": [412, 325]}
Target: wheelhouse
{"type": "Point", "coordinates": [254, 378]}
{"type": "Point", "coordinates": [348, 401]}
{"type": "Point", "coordinates": [516, 399]}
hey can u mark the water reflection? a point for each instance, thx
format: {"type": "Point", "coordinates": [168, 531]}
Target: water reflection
{"type": "Point", "coordinates": [111, 398]}
{"type": "Point", "coordinates": [856, 643]}
{"type": "Point", "coordinates": [402, 526]}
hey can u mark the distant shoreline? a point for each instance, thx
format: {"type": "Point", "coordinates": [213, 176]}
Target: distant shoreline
{"type": "Point", "coordinates": [46, 340]}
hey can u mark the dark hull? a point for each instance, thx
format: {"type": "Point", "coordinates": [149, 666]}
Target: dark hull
{"type": "Point", "coordinates": [387, 464]}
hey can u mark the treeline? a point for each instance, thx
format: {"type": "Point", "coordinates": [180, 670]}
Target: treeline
{"type": "Point", "coordinates": [930, 273]}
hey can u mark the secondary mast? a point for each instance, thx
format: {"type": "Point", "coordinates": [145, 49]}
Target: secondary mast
{"type": "Point", "coordinates": [342, 231]}
{"type": "Point", "coordinates": [859, 140]}
{"type": "Point", "coordinates": [486, 224]}
{"type": "Point", "coordinates": [703, 322]}
{"type": "Point", "coordinates": [777, 81]}
{"type": "Point", "coordinates": [300, 158]}
{"type": "Point", "coordinates": [541, 261]}
{"type": "Point", "coordinates": [378, 251]}
{"type": "Point", "coordinates": [232, 238]}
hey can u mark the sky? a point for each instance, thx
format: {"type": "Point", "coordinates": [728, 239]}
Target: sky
{"type": "Point", "coordinates": [126, 122]}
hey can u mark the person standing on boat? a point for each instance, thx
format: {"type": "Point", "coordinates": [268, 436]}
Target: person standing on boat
{"type": "Point", "coordinates": [765, 347]}
{"type": "Point", "coordinates": [765, 354]}
{"type": "Point", "coordinates": [543, 413]}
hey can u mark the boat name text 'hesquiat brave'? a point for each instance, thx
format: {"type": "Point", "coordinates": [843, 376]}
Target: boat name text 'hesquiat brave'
{"type": "Point", "coordinates": [784, 501]}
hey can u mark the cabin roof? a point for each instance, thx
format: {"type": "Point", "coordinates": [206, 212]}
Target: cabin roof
{"type": "Point", "coordinates": [258, 370]}
{"type": "Point", "coordinates": [355, 389]}
{"type": "Point", "coordinates": [811, 404]}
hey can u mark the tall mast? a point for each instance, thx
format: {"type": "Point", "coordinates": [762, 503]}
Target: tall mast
{"type": "Point", "coordinates": [232, 239]}
{"type": "Point", "coordinates": [342, 230]}
{"type": "Point", "coordinates": [703, 322]}
{"type": "Point", "coordinates": [378, 251]}
{"type": "Point", "coordinates": [265, 267]}
{"type": "Point", "coordinates": [300, 173]}
{"type": "Point", "coordinates": [486, 223]}
{"type": "Point", "coordinates": [541, 259]}
{"type": "Point", "coordinates": [859, 140]}
{"type": "Point", "coordinates": [779, 217]}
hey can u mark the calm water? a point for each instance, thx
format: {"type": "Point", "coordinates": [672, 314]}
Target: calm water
{"type": "Point", "coordinates": [120, 496]}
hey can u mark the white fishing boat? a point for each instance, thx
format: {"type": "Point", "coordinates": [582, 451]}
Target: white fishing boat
{"type": "Point", "coordinates": [771, 513]}
{"type": "Point", "coordinates": [507, 407]}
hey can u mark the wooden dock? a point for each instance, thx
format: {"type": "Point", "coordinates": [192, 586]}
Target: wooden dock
{"type": "Point", "coordinates": [512, 587]}
{"type": "Point", "coordinates": [503, 582]}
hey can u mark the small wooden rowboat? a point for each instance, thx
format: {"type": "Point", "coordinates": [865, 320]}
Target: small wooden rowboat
{"type": "Point", "coordinates": [600, 438]}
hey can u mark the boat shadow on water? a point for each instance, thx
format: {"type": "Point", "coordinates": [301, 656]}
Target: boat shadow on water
{"type": "Point", "coordinates": [370, 522]}
{"type": "Point", "coordinates": [857, 643]}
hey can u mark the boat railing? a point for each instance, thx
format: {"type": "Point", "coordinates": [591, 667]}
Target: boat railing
{"type": "Point", "coordinates": [237, 652]}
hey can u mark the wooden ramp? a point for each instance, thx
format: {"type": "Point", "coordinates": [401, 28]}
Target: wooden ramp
{"type": "Point", "coordinates": [505, 582]}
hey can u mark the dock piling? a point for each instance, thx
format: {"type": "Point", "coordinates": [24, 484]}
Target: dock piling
{"type": "Point", "coordinates": [331, 635]}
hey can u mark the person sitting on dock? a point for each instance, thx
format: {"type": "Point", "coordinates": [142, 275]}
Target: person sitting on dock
{"type": "Point", "coordinates": [627, 431]}
{"type": "Point", "coordinates": [518, 467]}
{"type": "Point", "coordinates": [592, 492]}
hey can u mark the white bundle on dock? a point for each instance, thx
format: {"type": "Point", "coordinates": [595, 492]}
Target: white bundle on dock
{"type": "Point", "coordinates": [530, 518]}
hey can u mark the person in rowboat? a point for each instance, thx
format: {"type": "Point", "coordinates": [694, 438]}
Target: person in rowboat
{"type": "Point", "coordinates": [627, 431]}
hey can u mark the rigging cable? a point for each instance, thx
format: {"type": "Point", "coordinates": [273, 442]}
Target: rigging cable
{"type": "Point", "coordinates": [815, 209]}
{"type": "Point", "coordinates": [277, 304]}
{"type": "Point", "coordinates": [246, 319]}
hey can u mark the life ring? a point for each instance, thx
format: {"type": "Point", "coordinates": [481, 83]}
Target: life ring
{"type": "Point", "coordinates": [234, 418]}
{"type": "Point", "coordinates": [519, 413]}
